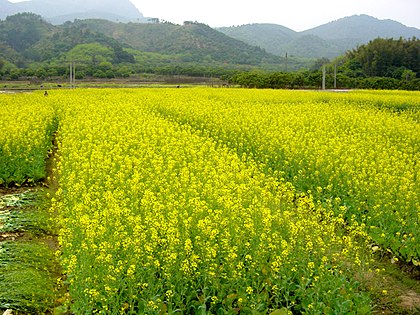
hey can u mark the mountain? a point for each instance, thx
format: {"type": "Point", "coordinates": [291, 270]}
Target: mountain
{"type": "Point", "coordinates": [328, 40]}
{"type": "Point", "coordinates": [279, 40]}
{"type": "Point", "coordinates": [196, 41]}
{"type": "Point", "coordinates": [28, 41]}
{"type": "Point", "coordinates": [268, 36]}
{"type": "Point", "coordinates": [363, 28]}
{"type": "Point", "coordinates": [58, 12]}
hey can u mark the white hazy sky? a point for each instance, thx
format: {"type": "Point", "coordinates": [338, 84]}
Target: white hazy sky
{"type": "Point", "coordinates": [296, 14]}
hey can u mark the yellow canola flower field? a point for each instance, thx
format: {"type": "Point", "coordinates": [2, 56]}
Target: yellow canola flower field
{"type": "Point", "coordinates": [26, 128]}
{"type": "Point", "coordinates": [356, 152]}
{"type": "Point", "coordinates": [221, 201]}
{"type": "Point", "coordinates": [157, 218]}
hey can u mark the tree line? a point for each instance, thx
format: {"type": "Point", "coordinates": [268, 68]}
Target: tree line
{"type": "Point", "coordinates": [390, 58]}
{"type": "Point", "coordinates": [380, 64]}
{"type": "Point", "coordinates": [313, 80]}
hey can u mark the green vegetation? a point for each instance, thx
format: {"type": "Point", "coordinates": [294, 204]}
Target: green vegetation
{"type": "Point", "coordinates": [28, 268]}
{"type": "Point", "coordinates": [398, 59]}
{"type": "Point", "coordinates": [381, 64]}
{"type": "Point", "coordinates": [26, 283]}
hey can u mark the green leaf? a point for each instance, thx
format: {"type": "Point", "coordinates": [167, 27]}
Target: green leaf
{"type": "Point", "coordinates": [282, 311]}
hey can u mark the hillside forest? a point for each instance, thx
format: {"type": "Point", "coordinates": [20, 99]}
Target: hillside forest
{"type": "Point", "coordinates": [30, 47]}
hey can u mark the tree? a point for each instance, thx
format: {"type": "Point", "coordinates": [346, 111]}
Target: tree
{"type": "Point", "coordinates": [120, 55]}
{"type": "Point", "coordinates": [407, 75]}
{"type": "Point", "coordinates": [92, 54]}
{"type": "Point", "coordinates": [383, 58]}
{"type": "Point", "coordinates": [105, 66]}
{"type": "Point", "coordinates": [319, 63]}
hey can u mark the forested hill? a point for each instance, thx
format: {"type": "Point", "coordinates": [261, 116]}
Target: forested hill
{"type": "Point", "coordinates": [26, 38]}
{"type": "Point", "coordinates": [328, 40]}
{"type": "Point", "coordinates": [196, 41]}
{"type": "Point", "coordinates": [28, 41]}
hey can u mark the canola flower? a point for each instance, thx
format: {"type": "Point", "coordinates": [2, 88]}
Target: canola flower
{"type": "Point", "coordinates": [156, 217]}
{"type": "Point", "coordinates": [225, 201]}
{"type": "Point", "coordinates": [355, 152]}
{"type": "Point", "coordinates": [26, 128]}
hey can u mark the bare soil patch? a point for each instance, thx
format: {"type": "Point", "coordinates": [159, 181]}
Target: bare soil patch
{"type": "Point", "coordinates": [410, 301]}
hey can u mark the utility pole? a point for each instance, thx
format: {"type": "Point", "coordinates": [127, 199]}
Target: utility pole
{"type": "Point", "coordinates": [335, 76]}
{"type": "Point", "coordinates": [286, 61]}
{"type": "Point", "coordinates": [323, 77]}
{"type": "Point", "coordinates": [72, 75]}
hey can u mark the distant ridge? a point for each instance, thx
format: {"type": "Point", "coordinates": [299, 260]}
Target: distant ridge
{"type": "Point", "coordinates": [328, 40]}
{"type": "Point", "coordinates": [58, 12]}
{"type": "Point", "coordinates": [363, 27]}
{"type": "Point", "coordinates": [267, 36]}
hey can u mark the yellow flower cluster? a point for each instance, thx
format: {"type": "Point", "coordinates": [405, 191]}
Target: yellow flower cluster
{"type": "Point", "coordinates": [157, 217]}
{"type": "Point", "coordinates": [26, 127]}
{"type": "Point", "coordinates": [221, 200]}
{"type": "Point", "coordinates": [356, 153]}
